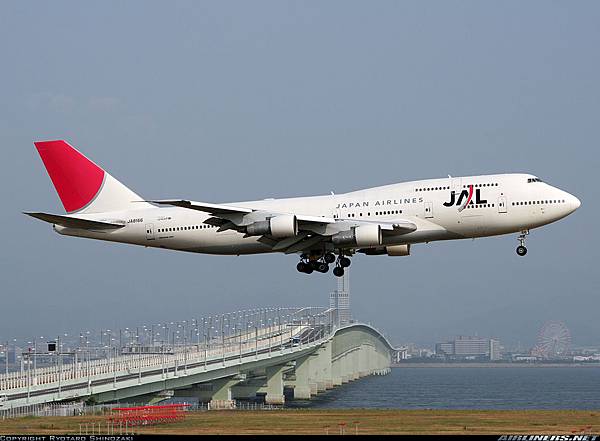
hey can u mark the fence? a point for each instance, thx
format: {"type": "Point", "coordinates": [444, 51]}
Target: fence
{"type": "Point", "coordinates": [55, 409]}
{"type": "Point", "coordinates": [80, 408]}
{"type": "Point", "coordinates": [148, 415]}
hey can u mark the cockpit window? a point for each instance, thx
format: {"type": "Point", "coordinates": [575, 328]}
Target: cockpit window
{"type": "Point", "coordinates": [530, 180]}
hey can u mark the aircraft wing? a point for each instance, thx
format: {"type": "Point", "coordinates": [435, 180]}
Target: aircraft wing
{"type": "Point", "coordinates": [75, 222]}
{"type": "Point", "coordinates": [226, 211]}
{"type": "Point", "coordinates": [214, 209]}
{"type": "Point", "coordinates": [312, 230]}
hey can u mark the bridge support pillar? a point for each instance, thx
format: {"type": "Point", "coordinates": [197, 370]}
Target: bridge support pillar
{"type": "Point", "coordinates": [327, 366]}
{"type": "Point", "coordinates": [275, 385]}
{"type": "Point", "coordinates": [302, 385]}
{"type": "Point", "coordinates": [363, 355]}
{"type": "Point", "coordinates": [354, 357]}
{"type": "Point", "coordinates": [313, 373]}
{"type": "Point", "coordinates": [380, 366]}
{"type": "Point", "coordinates": [345, 364]}
{"type": "Point", "coordinates": [336, 372]}
{"type": "Point", "coordinates": [219, 393]}
{"type": "Point", "coordinates": [367, 359]}
{"type": "Point", "coordinates": [320, 369]}
{"type": "Point", "coordinates": [374, 361]}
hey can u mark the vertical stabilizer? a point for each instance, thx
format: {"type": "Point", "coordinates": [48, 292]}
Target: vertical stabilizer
{"type": "Point", "coordinates": [82, 186]}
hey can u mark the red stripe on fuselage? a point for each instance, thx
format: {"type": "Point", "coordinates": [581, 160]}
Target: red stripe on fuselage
{"type": "Point", "coordinates": [462, 207]}
{"type": "Point", "coordinates": [470, 195]}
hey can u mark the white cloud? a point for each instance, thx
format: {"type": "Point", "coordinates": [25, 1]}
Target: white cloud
{"type": "Point", "coordinates": [103, 103]}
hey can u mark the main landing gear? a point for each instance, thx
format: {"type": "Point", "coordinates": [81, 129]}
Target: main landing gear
{"type": "Point", "coordinates": [310, 263]}
{"type": "Point", "coordinates": [320, 263]}
{"type": "Point", "coordinates": [521, 249]}
{"type": "Point", "coordinates": [342, 262]}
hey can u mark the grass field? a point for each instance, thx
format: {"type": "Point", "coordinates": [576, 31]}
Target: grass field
{"type": "Point", "coordinates": [327, 421]}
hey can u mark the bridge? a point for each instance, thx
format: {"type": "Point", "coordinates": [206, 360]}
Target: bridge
{"type": "Point", "coordinates": [293, 352]}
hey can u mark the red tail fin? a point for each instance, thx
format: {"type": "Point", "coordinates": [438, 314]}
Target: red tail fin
{"type": "Point", "coordinates": [77, 179]}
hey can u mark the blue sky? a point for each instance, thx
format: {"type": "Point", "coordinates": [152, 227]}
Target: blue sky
{"type": "Point", "coordinates": [225, 101]}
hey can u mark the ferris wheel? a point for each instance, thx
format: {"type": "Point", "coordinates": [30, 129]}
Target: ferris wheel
{"type": "Point", "coordinates": [553, 339]}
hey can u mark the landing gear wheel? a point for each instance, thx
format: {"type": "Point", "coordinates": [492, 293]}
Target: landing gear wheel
{"type": "Point", "coordinates": [322, 267]}
{"type": "Point", "coordinates": [521, 250]}
{"type": "Point", "coordinates": [329, 258]}
{"type": "Point", "coordinates": [305, 268]}
{"type": "Point", "coordinates": [338, 271]}
{"type": "Point", "coordinates": [345, 262]}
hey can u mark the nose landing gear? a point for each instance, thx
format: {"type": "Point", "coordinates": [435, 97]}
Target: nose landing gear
{"type": "Point", "coordinates": [521, 249]}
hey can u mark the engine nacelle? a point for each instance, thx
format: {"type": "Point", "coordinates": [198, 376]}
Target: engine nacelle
{"type": "Point", "coordinates": [285, 225]}
{"type": "Point", "coordinates": [390, 250]}
{"type": "Point", "coordinates": [398, 250]}
{"type": "Point", "coordinates": [361, 236]}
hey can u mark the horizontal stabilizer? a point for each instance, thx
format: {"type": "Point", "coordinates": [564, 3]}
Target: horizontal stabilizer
{"type": "Point", "coordinates": [75, 222]}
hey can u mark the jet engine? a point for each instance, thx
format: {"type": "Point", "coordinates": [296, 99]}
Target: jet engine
{"type": "Point", "coordinates": [285, 225]}
{"type": "Point", "coordinates": [398, 250]}
{"type": "Point", "coordinates": [361, 236]}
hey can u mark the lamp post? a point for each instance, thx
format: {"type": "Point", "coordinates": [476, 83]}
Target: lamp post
{"type": "Point", "coordinates": [59, 364]}
{"type": "Point", "coordinates": [89, 373]}
{"type": "Point", "coordinates": [256, 340]}
{"type": "Point", "coordinates": [139, 349]}
{"type": "Point", "coordinates": [28, 371]}
{"type": "Point", "coordinates": [205, 349]}
{"type": "Point", "coordinates": [223, 339]}
{"type": "Point", "coordinates": [184, 353]}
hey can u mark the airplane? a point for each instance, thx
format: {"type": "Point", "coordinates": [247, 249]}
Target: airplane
{"type": "Point", "coordinates": [322, 230]}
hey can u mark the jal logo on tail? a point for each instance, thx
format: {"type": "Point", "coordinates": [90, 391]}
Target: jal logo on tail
{"type": "Point", "coordinates": [466, 196]}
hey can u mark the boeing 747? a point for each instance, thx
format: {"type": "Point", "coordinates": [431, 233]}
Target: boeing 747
{"type": "Point", "coordinates": [322, 230]}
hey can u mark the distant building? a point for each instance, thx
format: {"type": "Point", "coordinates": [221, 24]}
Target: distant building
{"type": "Point", "coordinates": [340, 300]}
{"type": "Point", "coordinates": [524, 357]}
{"type": "Point", "coordinates": [400, 354]}
{"type": "Point", "coordinates": [595, 357]}
{"type": "Point", "coordinates": [444, 348]}
{"type": "Point", "coordinates": [466, 347]}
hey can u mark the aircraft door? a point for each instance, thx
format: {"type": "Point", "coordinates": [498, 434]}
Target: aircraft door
{"type": "Point", "coordinates": [428, 209]}
{"type": "Point", "coordinates": [150, 231]}
{"type": "Point", "coordinates": [502, 204]}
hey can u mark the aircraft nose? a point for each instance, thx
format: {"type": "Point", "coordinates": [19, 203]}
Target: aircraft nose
{"type": "Point", "coordinates": [572, 202]}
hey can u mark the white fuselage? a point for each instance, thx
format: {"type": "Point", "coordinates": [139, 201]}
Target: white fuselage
{"type": "Point", "coordinates": [500, 204]}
